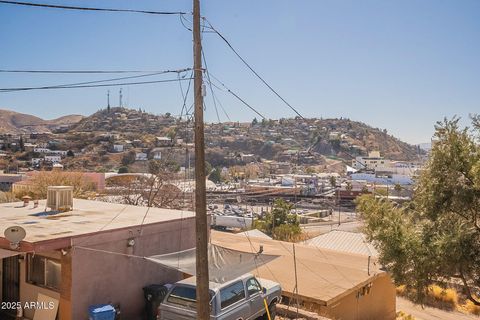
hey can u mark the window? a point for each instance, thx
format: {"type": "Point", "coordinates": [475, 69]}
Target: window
{"type": "Point", "coordinates": [231, 294]}
{"type": "Point", "coordinates": [44, 272]}
{"type": "Point", "coordinates": [253, 286]}
{"type": "Point", "coordinates": [185, 296]}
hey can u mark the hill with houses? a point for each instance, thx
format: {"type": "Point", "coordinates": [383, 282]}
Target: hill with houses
{"type": "Point", "coordinates": [113, 137]}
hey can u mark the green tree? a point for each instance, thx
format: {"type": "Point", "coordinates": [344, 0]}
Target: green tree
{"type": "Point", "coordinates": [254, 122]}
{"type": "Point", "coordinates": [21, 144]}
{"type": "Point", "coordinates": [437, 235]}
{"type": "Point", "coordinates": [333, 181]}
{"type": "Point", "coordinates": [215, 175]}
{"type": "Point", "coordinates": [123, 170]}
{"type": "Point", "coordinates": [280, 224]}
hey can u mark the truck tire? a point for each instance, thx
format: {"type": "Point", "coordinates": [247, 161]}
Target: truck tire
{"type": "Point", "coordinates": [272, 308]}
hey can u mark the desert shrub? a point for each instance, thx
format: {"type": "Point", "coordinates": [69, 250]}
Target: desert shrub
{"type": "Point", "coordinates": [401, 290]}
{"type": "Point", "coordinates": [443, 298]}
{"type": "Point", "coordinates": [404, 316]}
{"type": "Point", "coordinates": [472, 308]}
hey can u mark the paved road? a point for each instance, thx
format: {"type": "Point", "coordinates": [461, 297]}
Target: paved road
{"type": "Point", "coordinates": [428, 313]}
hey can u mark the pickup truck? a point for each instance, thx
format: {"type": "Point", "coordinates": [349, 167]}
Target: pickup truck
{"type": "Point", "coordinates": [238, 299]}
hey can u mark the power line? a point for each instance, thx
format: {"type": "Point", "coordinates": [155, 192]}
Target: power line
{"type": "Point", "coordinates": [210, 85]}
{"type": "Point", "coordinates": [251, 69]}
{"type": "Point", "coordinates": [91, 86]}
{"type": "Point", "coordinates": [82, 71]}
{"type": "Point", "coordinates": [52, 6]}
{"type": "Point", "coordinates": [104, 80]}
{"type": "Point", "coordinates": [185, 95]}
{"type": "Point", "coordinates": [234, 94]}
{"type": "Point", "coordinates": [221, 105]}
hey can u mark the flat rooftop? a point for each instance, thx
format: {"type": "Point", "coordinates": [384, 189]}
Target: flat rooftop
{"type": "Point", "coordinates": [324, 276]}
{"type": "Point", "coordinates": [87, 217]}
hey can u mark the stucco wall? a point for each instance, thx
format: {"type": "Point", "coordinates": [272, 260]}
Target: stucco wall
{"type": "Point", "coordinates": [379, 303]}
{"type": "Point", "coordinates": [100, 277]}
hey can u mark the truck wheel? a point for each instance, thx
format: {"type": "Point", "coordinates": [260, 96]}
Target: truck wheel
{"type": "Point", "coordinates": [272, 308]}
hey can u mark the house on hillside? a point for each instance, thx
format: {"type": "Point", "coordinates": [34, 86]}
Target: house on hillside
{"type": "Point", "coordinates": [92, 254]}
{"type": "Point", "coordinates": [141, 156]}
{"type": "Point", "coordinates": [164, 142]}
{"type": "Point", "coordinates": [53, 159]}
{"type": "Point", "coordinates": [118, 148]}
{"type": "Point", "coordinates": [156, 153]}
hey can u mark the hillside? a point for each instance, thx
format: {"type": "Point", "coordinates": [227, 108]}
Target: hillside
{"type": "Point", "coordinates": [123, 120]}
{"type": "Point", "coordinates": [15, 122]}
{"type": "Point", "coordinates": [356, 138]}
{"type": "Point", "coordinates": [304, 142]}
{"type": "Point", "coordinates": [301, 140]}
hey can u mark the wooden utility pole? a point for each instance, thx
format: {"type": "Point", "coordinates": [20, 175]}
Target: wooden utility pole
{"type": "Point", "coordinates": [201, 227]}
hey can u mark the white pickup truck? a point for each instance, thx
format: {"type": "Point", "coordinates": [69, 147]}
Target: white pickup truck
{"type": "Point", "coordinates": [238, 299]}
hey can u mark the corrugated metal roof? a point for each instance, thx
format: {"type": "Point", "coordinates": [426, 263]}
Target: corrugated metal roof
{"type": "Point", "coordinates": [344, 241]}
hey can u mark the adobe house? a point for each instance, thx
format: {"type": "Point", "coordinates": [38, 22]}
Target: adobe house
{"type": "Point", "coordinates": [80, 252]}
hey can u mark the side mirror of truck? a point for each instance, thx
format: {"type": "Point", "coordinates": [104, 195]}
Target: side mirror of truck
{"type": "Point", "coordinates": [264, 290]}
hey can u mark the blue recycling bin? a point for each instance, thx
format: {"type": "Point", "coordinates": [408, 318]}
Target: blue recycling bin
{"type": "Point", "coordinates": [101, 312]}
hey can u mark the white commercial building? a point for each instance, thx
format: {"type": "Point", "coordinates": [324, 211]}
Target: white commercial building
{"type": "Point", "coordinates": [373, 162]}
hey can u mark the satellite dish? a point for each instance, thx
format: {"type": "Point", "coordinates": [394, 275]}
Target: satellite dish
{"type": "Point", "coordinates": [15, 234]}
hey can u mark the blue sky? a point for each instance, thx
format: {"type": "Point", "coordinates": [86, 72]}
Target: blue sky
{"type": "Point", "coordinates": [399, 65]}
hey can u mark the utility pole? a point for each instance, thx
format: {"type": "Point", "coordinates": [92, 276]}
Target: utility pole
{"type": "Point", "coordinates": [201, 228]}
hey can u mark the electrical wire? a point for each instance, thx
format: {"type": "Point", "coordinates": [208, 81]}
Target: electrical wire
{"type": "Point", "coordinates": [235, 95]}
{"type": "Point", "coordinates": [221, 105]}
{"type": "Point", "coordinates": [251, 68]}
{"type": "Point", "coordinates": [113, 79]}
{"type": "Point", "coordinates": [210, 85]}
{"type": "Point", "coordinates": [52, 6]}
{"type": "Point", "coordinates": [241, 100]}
{"type": "Point", "coordinates": [79, 71]}
{"type": "Point", "coordinates": [203, 26]}
{"type": "Point", "coordinates": [183, 23]}
{"type": "Point", "coordinates": [3, 90]}
{"type": "Point", "coordinates": [185, 96]}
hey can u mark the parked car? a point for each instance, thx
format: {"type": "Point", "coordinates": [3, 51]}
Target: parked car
{"type": "Point", "coordinates": [238, 299]}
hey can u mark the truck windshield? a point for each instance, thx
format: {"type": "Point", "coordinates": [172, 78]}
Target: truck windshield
{"type": "Point", "coordinates": [185, 296]}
